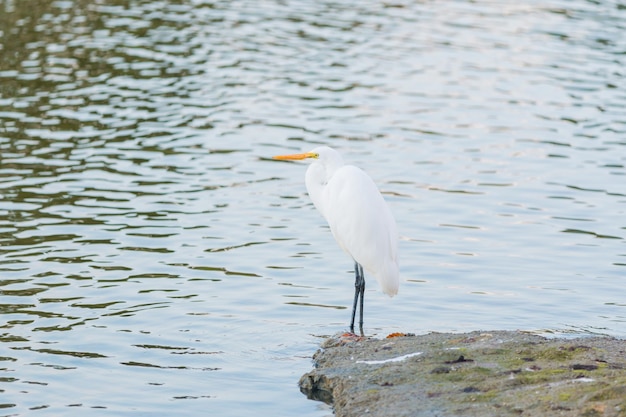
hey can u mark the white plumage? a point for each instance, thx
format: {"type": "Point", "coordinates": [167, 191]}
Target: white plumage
{"type": "Point", "coordinates": [359, 218]}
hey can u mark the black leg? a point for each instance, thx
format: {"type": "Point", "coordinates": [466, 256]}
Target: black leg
{"type": "Point", "coordinates": [362, 291]}
{"type": "Point", "coordinates": [359, 292]}
{"type": "Point", "coordinates": [356, 295]}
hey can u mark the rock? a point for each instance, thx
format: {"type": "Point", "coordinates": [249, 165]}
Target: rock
{"type": "Point", "coordinates": [501, 373]}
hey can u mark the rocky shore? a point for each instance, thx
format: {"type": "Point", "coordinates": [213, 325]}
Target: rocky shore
{"type": "Point", "coordinates": [497, 373]}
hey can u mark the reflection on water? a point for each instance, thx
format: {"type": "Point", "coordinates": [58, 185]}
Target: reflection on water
{"type": "Point", "coordinates": [153, 258]}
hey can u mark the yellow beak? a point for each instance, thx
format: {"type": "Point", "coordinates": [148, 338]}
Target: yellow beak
{"type": "Point", "coordinates": [296, 156]}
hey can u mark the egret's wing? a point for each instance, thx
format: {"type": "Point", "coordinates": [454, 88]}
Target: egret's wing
{"type": "Point", "coordinates": [363, 225]}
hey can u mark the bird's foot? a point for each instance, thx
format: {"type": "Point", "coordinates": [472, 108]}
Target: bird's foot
{"type": "Point", "coordinates": [351, 337]}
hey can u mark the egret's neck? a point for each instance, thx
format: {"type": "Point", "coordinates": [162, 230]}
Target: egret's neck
{"type": "Point", "coordinates": [319, 173]}
{"type": "Point", "coordinates": [316, 179]}
{"type": "Point", "coordinates": [317, 176]}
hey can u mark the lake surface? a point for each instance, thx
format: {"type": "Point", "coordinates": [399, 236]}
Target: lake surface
{"type": "Point", "coordinates": [154, 259]}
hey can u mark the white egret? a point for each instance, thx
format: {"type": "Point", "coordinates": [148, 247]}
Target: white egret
{"type": "Point", "coordinates": [359, 219]}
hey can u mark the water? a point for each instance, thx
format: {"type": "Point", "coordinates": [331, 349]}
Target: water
{"type": "Point", "coordinates": [154, 260]}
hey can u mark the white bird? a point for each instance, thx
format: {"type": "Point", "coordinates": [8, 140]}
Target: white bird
{"type": "Point", "coordinates": [359, 219]}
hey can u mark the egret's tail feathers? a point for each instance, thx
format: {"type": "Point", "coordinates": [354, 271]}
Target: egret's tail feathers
{"type": "Point", "coordinates": [389, 279]}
